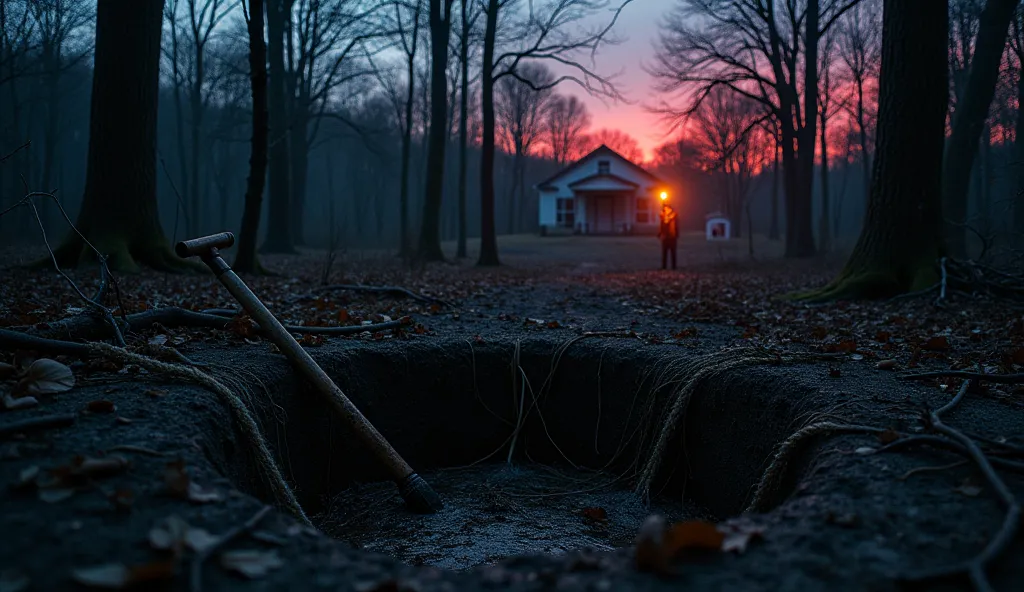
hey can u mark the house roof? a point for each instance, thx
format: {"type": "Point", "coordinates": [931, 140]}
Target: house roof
{"type": "Point", "coordinates": [601, 150]}
{"type": "Point", "coordinates": [603, 177]}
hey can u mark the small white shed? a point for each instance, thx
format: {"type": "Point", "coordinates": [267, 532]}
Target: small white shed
{"type": "Point", "coordinates": [718, 227]}
{"type": "Point", "coordinates": [601, 193]}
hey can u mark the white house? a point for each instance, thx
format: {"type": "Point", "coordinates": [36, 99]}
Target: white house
{"type": "Point", "coordinates": [601, 193]}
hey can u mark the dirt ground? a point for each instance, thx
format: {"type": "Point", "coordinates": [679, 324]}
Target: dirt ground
{"type": "Point", "coordinates": [845, 511]}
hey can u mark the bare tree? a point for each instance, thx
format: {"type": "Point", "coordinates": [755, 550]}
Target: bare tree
{"type": "Point", "coordinates": [972, 110]}
{"type": "Point", "coordinates": [726, 125]}
{"type": "Point", "coordinates": [550, 30]}
{"type": "Point", "coordinates": [902, 235]}
{"type": "Point", "coordinates": [764, 50]}
{"type": "Point", "coordinates": [617, 140]}
{"type": "Point", "coordinates": [830, 105]}
{"type": "Point", "coordinates": [468, 15]}
{"type": "Point", "coordinates": [519, 110]}
{"type": "Point", "coordinates": [327, 40]}
{"type": "Point", "coordinates": [192, 24]}
{"type": "Point", "coordinates": [859, 45]}
{"type": "Point", "coordinates": [245, 258]}
{"type": "Point", "coordinates": [440, 18]}
{"type": "Point", "coordinates": [565, 124]}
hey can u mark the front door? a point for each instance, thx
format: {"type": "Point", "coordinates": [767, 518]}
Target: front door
{"type": "Point", "coordinates": [601, 213]}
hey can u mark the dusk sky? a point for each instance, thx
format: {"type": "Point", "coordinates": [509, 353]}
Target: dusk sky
{"type": "Point", "coordinates": [639, 26]}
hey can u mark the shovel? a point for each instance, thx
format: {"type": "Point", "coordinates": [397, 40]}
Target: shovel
{"type": "Point", "coordinates": [416, 492]}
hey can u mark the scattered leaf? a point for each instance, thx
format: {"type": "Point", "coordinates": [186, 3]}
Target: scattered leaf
{"type": "Point", "coordinates": [886, 365]}
{"type": "Point", "coordinates": [968, 488]}
{"type": "Point", "coordinates": [888, 436]}
{"type": "Point", "coordinates": [52, 496]}
{"type": "Point", "coordinates": [155, 393]}
{"type": "Point", "coordinates": [112, 576]}
{"type": "Point", "coordinates": [100, 406]}
{"type": "Point", "coordinates": [738, 537]}
{"type": "Point", "coordinates": [158, 340]}
{"type": "Point", "coordinates": [864, 450]}
{"type": "Point", "coordinates": [936, 343]}
{"type": "Point", "coordinates": [14, 403]}
{"type": "Point", "coordinates": [835, 373]}
{"type": "Point", "coordinates": [693, 534]}
{"type": "Point", "coordinates": [46, 377]}
{"type": "Point", "coordinates": [595, 514]}
{"type": "Point", "coordinates": [250, 563]}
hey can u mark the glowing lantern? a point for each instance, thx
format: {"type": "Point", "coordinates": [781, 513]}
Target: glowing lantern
{"type": "Point", "coordinates": [664, 195]}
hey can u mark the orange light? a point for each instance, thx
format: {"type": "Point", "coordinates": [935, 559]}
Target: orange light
{"type": "Point", "coordinates": [664, 195]}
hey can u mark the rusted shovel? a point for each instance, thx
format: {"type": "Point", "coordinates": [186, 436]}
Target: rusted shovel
{"type": "Point", "coordinates": [416, 492]}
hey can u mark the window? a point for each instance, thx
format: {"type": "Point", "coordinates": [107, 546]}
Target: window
{"type": "Point", "coordinates": [603, 167]}
{"type": "Point", "coordinates": [565, 214]}
{"type": "Point", "coordinates": [643, 210]}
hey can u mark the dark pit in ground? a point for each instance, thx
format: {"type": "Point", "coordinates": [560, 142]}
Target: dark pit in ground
{"type": "Point", "coordinates": [593, 410]}
{"type": "Point", "coordinates": [496, 511]}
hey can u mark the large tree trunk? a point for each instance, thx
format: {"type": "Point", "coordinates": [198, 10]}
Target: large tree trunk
{"type": "Point", "coordinates": [404, 248]}
{"type": "Point", "coordinates": [430, 230]}
{"type": "Point", "coordinates": [279, 228]}
{"type": "Point", "coordinates": [488, 233]}
{"type": "Point", "coordinates": [245, 258]}
{"type": "Point", "coordinates": [510, 225]}
{"type": "Point", "coordinates": [969, 119]}
{"type": "Point", "coordinates": [902, 234]}
{"type": "Point", "coordinates": [119, 211]}
{"type": "Point", "coordinates": [192, 216]}
{"type": "Point", "coordinates": [865, 154]}
{"type": "Point", "coordinates": [460, 251]}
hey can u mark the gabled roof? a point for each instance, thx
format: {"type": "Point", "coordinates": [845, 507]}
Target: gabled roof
{"type": "Point", "coordinates": [603, 176]}
{"type": "Point", "coordinates": [601, 150]}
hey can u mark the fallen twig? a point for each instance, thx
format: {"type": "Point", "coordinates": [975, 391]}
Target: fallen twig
{"type": "Point", "coordinates": [917, 470]}
{"type": "Point", "coordinates": [82, 327]}
{"type": "Point", "coordinates": [17, 340]}
{"type": "Point", "coordinates": [975, 567]}
{"type": "Point", "coordinates": [37, 423]}
{"type": "Point", "coordinates": [196, 571]}
{"type": "Point", "coordinates": [138, 449]}
{"type": "Point", "coordinates": [393, 290]}
{"type": "Point", "coordinates": [994, 378]}
{"type": "Point", "coordinates": [15, 151]}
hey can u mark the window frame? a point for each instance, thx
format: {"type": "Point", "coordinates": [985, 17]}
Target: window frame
{"type": "Point", "coordinates": [565, 212]}
{"type": "Point", "coordinates": [645, 210]}
{"type": "Point", "coordinates": [604, 167]}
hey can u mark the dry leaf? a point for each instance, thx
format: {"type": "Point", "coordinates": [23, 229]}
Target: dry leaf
{"type": "Point", "coordinates": [52, 496]}
{"type": "Point", "coordinates": [693, 534]}
{"type": "Point", "coordinates": [888, 436]}
{"type": "Point", "coordinates": [174, 534]}
{"type": "Point", "coordinates": [650, 539]}
{"type": "Point", "coordinates": [158, 340]}
{"type": "Point", "coordinates": [100, 406]}
{"type": "Point", "coordinates": [937, 343]}
{"type": "Point", "coordinates": [198, 494]}
{"type": "Point", "coordinates": [251, 563]}
{"type": "Point", "coordinates": [118, 576]}
{"type": "Point", "coordinates": [886, 365]}
{"type": "Point", "coordinates": [864, 450]}
{"type": "Point", "coordinates": [46, 377]}
{"type": "Point", "coordinates": [969, 489]}
{"type": "Point", "coordinates": [595, 514]}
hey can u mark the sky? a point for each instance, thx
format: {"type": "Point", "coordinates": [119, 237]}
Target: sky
{"type": "Point", "coordinates": [638, 25]}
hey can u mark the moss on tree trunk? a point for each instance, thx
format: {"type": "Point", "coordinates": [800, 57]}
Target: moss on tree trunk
{"type": "Point", "coordinates": [119, 210]}
{"type": "Point", "coordinates": [901, 240]}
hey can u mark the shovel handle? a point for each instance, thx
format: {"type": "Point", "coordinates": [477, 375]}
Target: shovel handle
{"type": "Point", "coordinates": [201, 246]}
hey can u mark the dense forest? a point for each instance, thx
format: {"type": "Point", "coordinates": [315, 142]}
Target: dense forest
{"type": "Point", "coordinates": [353, 86]}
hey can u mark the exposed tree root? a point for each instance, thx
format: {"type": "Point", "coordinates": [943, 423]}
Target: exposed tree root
{"type": "Point", "coordinates": [234, 402]}
{"type": "Point", "coordinates": [36, 424]}
{"type": "Point", "coordinates": [980, 376]}
{"type": "Point", "coordinates": [16, 340]}
{"type": "Point", "coordinates": [392, 290]}
{"type": "Point", "coordinates": [124, 256]}
{"type": "Point", "coordinates": [86, 327]}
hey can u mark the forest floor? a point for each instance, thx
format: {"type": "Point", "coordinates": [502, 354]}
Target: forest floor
{"type": "Point", "coordinates": [863, 500]}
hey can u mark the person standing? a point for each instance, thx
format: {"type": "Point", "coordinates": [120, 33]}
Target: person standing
{"type": "Point", "coordinates": [668, 232]}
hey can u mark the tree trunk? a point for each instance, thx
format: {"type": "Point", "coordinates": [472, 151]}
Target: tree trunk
{"type": "Point", "coordinates": [510, 226]}
{"type": "Point", "coordinates": [969, 119]}
{"type": "Point", "coordinates": [192, 217]}
{"type": "Point", "coordinates": [460, 251]}
{"type": "Point", "coordinates": [119, 213]}
{"type": "Point", "coordinates": [299, 148]}
{"type": "Point", "coordinates": [405, 249]}
{"type": "Point", "coordinates": [488, 234]}
{"type": "Point", "coordinates": [440, 30]}
{"type": "Point", "coordinates": [245, 258]}
{"type": "Point", "coordinates": [1018, 145]}
{"type": "Point", "coordinates": [51, 133]}
{"type": "Point", "coordinates": [865, 154]}
{"type": "Point", "coordinates": [800, 235]}
{"type": "Point", "coordinates": [902, 234]}
{"type": "Point", "coordinates": [279, 228]}
{"type": "Point", "coordinates": [196, 109]}
{"type": "Point", "coordinates": [824, 234]}
{"type": "Point", "coordinates": [985, 182]}
{"type": "Point", "coordinates": [773, 231]}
